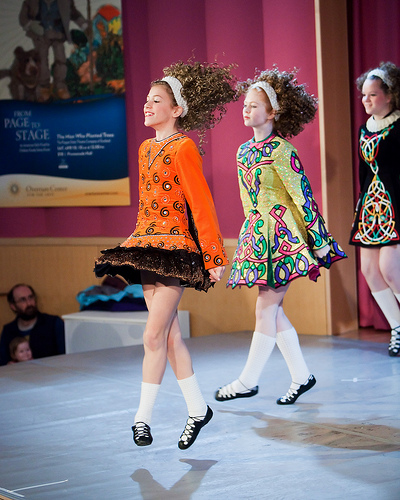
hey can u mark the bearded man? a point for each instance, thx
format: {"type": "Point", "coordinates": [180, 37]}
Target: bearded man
{"type": "Point", "coordinates": [45, 332]}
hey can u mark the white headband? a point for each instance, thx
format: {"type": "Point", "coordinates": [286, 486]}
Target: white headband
{"type": "Point", "coordinates": [176, 87]}
{"type": "Point", "coordinates": [380, 74]}
{"type": "Point", "coordinates": [266, 87]}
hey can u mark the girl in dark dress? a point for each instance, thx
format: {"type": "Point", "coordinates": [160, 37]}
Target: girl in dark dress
{"type": "Point", "coordinates": [376, 226]}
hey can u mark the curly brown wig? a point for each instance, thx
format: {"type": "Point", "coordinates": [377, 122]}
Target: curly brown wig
{"type": "Point", "coordinates": [297, 106]}
{"type": "Point", "coordinates": [207, 88]}
{"type": "Point", "coordinates": [393, 75]}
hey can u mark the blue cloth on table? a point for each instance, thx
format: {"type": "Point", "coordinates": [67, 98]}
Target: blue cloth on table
{"type": "Point", "coordinates": [108, 298]}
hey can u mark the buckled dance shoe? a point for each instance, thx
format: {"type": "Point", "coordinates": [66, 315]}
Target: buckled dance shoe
{"type": "Point", "coordinates": [394, 345]}
{"type": "Point", "coordinates": [227, 392]}
{"type": "Point", "coordinates": [291, 396]}
{"type": "Point", "coordinates": [141, 434]}
{"type": "Point", "coordinates": [192, 429]}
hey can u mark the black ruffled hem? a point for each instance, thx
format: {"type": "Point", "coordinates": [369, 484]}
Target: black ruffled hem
{"type": "Point", "coordinates": [188, 267]}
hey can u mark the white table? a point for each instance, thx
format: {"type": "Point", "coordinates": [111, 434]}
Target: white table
{"type": "Point", "coordinates": [94, 330]}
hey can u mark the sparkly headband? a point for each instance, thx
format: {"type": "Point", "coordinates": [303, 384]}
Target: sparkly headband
{"type": "Point", "coordinates": [266, 87]}
{"type": "Point", "coordinates": [380, 74]}
{"type": "Point", "coordinates": [176, 88]}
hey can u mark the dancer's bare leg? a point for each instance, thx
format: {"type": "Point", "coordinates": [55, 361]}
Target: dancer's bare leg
{"type": "Point", "coordinates": [162, 341]}
{"type": "Point", "coordinates": [381, 269]}
{"type": "Point", "coordinates": [269, 301]}
{"type": "Point", "coordinates": [162, 296]}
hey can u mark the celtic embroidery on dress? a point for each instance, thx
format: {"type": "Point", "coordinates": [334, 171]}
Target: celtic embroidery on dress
{"type": "Point", "coordinates": [377, 219]}
{"type": "Point", "coordinates": [282, 224]}
{"type": "Point", "coordinates": [286, 253]}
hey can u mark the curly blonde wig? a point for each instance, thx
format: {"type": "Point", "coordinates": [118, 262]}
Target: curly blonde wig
{"type": "Point", "coordinates": [207, 88]}
{"type": "Point", "coordinates": [392, 73]}
{"type": "Point", "coordinates": [296, 106]}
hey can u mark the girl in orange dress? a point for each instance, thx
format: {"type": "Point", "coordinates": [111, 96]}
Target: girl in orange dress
{"type": "Point", "coordinates": [177, 241]}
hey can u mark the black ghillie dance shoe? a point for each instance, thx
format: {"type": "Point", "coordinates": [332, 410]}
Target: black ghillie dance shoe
{"type": "Point", "coordinates": [290, 397]}
{"type": "Point", "coordinates": [141, 434]}
{"type": "Point", "coordinates": [192, 429]}
{"type": "Point", "coordinates": [227, 392]}
{"type": "Point", "coordinates": [394, 345]}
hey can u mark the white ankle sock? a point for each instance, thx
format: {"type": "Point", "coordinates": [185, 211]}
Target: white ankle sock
{"type": "Point", "coordinates": [397, 295]}
{"type": "Point", "coordinates": [260, 350]}
{"type": "Point", "coordinates": [288, 343]}
{"type": "Point", "coordinates": [148, 397]}
{"type": "Point", "coordinates": [389, 306]}
{"type": "Point", "coordinates": [196, 405]}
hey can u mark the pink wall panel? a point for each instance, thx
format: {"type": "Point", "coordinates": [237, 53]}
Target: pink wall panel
{"type": "Point", "coordinates": [234, 35]}
{"type": "Point", "coordinates": [252, 34]}
{"type": "Point", "coordinates": [289, 34]}
{"type": "Point", "coordinates": [176, 32]}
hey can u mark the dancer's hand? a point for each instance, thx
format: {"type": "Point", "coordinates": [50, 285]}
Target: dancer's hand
{"type": "Point", "coordinates": [321, 252]}
{"type": "Point", "coordinates": [216, 273]}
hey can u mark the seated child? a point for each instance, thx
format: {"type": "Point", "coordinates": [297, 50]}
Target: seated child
{"type": "Point", "coordinates": [20, 350]}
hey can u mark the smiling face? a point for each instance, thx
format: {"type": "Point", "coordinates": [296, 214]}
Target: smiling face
{"type": "Point", "coordinates": [376, 102]}
{"type": "Point", "coordinates": [23, 352]}
{"type": "Point", "coordinates": [159, 110]}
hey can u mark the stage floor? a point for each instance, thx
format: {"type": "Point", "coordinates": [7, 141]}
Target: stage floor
{"type": "Point", "coordinates": [65, 427]}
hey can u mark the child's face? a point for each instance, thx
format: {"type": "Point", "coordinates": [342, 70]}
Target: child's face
{"type": "Point", "coordinates": [23, 352]}
{"type": "Point", "coordinates": [256, 111]}
{"type": "Point", "coordinates": [376, 101]}
{"type": "Point", "coordinates": [158, 109]}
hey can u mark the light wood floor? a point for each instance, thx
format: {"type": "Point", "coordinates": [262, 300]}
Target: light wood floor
{"type": "Point", "coordinates": [66, 427]}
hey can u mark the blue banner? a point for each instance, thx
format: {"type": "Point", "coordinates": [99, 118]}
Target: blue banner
{"type": "Point", "coordinates": [41, 144]}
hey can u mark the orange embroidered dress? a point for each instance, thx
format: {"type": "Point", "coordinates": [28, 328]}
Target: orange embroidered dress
{"type": "Point", "coordinates": [177, 232]}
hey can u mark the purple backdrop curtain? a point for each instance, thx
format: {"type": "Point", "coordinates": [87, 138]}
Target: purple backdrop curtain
{"type": "Point", "coordinates": [159, 32]}
{"type": "Point", "coordinates": [374, 36]}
